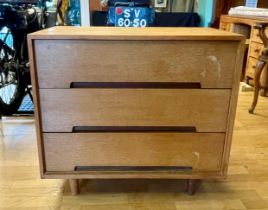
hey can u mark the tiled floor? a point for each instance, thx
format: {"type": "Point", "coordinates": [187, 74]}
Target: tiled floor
{"type": "Point", "coordinates": [26, 105]}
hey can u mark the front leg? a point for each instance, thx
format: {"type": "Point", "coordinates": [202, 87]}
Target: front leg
{"type": "Point", "coordinates": [74, 185]}
{"type": "Point", "coordinates": [191, 186]}
{"type": "Point", "coordinates": [259, 67]}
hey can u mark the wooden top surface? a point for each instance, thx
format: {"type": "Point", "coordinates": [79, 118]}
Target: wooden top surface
{"type": "Point", "coordinates": [150, 33]}
{"type": "Point", "coordinates": [254, 18]}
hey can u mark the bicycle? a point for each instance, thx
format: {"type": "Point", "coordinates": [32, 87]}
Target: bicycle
{"type": "Point", "coordinates": [17, 19]}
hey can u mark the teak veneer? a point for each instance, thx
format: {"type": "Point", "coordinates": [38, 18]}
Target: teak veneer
{"type": "Point", "coordinates": [152, 103]}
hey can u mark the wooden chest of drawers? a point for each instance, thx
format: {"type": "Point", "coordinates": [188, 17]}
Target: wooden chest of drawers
{"type": "Point", "coordinates": [134, 103]}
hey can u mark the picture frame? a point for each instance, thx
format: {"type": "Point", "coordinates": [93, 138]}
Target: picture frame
{"type": "Point", "coordinates": [160, 3]}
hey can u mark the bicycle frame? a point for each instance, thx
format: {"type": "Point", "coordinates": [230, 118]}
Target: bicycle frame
{"type": "Point", "coordinates": [20, 20]}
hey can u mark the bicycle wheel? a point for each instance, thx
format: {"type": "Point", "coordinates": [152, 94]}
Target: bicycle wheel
{"type": "Point", "coordinates": [12, 87]}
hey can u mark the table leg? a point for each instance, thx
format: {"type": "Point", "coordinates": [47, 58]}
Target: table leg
{"type": "Point", "coordinates": [259, 67]}
{"type": "Point", "coordinates": [74, 185]}
{"type": "Point", "coordinates": [191, 186]}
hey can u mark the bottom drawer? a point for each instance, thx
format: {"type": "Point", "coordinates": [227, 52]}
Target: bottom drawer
{"type": "Point", "coordinates": [97, 151]}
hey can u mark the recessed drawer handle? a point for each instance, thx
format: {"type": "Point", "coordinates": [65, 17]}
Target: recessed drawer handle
{"type": "Point", "coordinates": [133, 168]}
{"type": "Point", "coordinates": [149, 85]}
{"type": "Point", "coordinates": [132, 129]}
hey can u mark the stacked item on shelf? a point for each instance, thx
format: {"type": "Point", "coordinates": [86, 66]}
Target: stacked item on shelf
{"type": "Point", "coordinates": [248, 11]}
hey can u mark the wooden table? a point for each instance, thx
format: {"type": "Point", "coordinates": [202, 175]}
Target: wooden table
{"type": "Point", "coordinates": [245, 25]}
{"type": "Point", "coordinates": [146, 103]}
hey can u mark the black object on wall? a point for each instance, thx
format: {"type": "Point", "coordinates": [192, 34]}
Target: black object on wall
{"type": "Point", "coordinates": [177, 19]}
{"type": "Point", "coordinates": [162, 19]}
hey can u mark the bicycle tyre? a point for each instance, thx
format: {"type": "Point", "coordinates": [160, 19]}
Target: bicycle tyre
{"type": "Point", "coordinates": [13, 106]}
{"type": "Point", "coordinates": [19, 87]}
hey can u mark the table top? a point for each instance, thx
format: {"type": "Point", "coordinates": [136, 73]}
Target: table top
{"type": "Point", "coordinates": [257, 18]}
{"type": "Point", "coordinates": [149, 33]}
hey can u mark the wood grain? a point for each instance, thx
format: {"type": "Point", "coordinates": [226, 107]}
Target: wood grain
{"type": "Point", "coordinates": [256, 36]}
{"type": "Point", "coordinates": [121, 33]}
{"type": "Point", "coordinates": [74, 185]}
{"type": "Point", "coordinates": [36, 100]}
{"type": "Point", "coordinates": [65, 55]}
{"type": "Point", "coordinates": [255, 49]}
{"type": "Point", "coordinates": [133, 149]}
{"type": "Point", "coordinates": [225, 26]}
{"type": "Point", "coordinates": [206, 175]}
{"type": "Point", "coordinates": [61, 62]}
{"type": "Point", "coordinates": [245, 25]}
{"type": "Point", "coordinates": [251, 68]}
{"type": "Point", "coordinates": [232, 107]}
{"type": "Point", "coordinates": [204, 109]}
{"type": "Point", "coordinates": [245, 188]}
{"type": "Point", "coordinates": [247, 20]}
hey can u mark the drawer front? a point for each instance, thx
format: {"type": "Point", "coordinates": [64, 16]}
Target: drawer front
{"type": "Point", "coordinates": [61, 62]}
{"type": "Point", "coordinates": [199, 151]}
{"type": "Point", "coordinates": [256, 36]}
{"type": "Point", "coordinates": [225, 26]}
{"type": "Point", "coordinates": [255, 49]}
{"type": "Point", "coordinates": [62, 109]}
{"type": "Point", "coordinates": [251, 67]}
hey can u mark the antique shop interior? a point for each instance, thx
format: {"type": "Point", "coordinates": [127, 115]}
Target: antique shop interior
{"type": "Point", "coordinates": [133, 104]}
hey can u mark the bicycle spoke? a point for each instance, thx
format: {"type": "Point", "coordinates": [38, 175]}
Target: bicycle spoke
{"type": "Point", "coordinates": [8, 90]}
{"type": "Point", "coordinates": [8, 94]}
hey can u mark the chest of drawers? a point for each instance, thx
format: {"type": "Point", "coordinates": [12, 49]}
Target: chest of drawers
{"type": "Point", "coordinates": [134, 103]}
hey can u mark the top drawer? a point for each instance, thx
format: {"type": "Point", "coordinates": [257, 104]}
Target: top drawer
{"type": "Point", "coordinates": [61, 62]}
{"type": "Point", "coordinates": [225, 26]}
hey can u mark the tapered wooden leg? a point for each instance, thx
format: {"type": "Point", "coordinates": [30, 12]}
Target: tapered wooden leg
{"type": "Point", "coordinates": [191, 186]}
{"type": "Point", "coordinates": [259, 67]}
{"type": "Point", "coordinates": [74, 185]}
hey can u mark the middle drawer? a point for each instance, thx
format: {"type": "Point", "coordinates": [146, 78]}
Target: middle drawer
{"type": "Point", "coordinates": [204, 109]}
